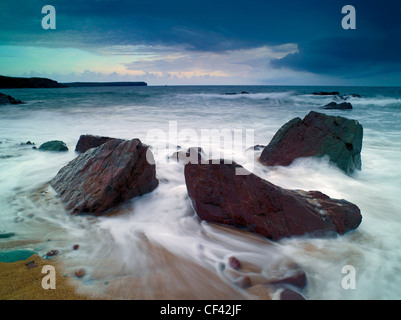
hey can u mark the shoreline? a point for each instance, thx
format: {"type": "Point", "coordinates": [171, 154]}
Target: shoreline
{"type": "Point", "coordinates": [18, 282]}
{"type": "Point", "coordinates": [169, 277]}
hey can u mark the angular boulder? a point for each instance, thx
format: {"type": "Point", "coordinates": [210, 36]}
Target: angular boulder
{"type": "Point", "coordinates": [54, 145]}
{"type": "Point", "coordinates": [87, 141]}
{"type": "Point", "coordinates": [317, 135]}
{"type": "Point", "coordinates": [103, 177]}
{"type": "Point", "coordinates": [247, 201]}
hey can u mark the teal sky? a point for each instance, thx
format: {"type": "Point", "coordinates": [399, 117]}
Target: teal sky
{"type": "Point", "coordinates": [209, 42]}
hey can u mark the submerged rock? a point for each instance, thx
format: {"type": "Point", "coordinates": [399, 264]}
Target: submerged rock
{"type": "Point", "coordinates": [193, 155]}
{"type": "Point", "coordinates": [324, 93]}
{"type": "Point", "coordinates": [247, 201]}
{"type": "Point", "coordinates": [339, 106]}
{"type": "Point", "coordinates": [6, 99]}
{"type": "Point", "coordinates": [6, 235]}
{"type": "Point", "coordinates": [297, 279]}
{"type": "Point", "coordinates": [88, 141]}
{"type": "Point", "coordinates": [103, 177]}
{"type": "Point", "coordinates": [54, 145]}
{"type": "Point", "coordinates": [317, 135]}
{"type": "Point", "coordinates": [51, 253]}
{"type": "Point", "coordinates": [243, 282]}
{"type": "Point", "coordinates": [288, 294]}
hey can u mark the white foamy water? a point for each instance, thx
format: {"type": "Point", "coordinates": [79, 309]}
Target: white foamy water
{"type": "Point", "coordinates": [122, 251]}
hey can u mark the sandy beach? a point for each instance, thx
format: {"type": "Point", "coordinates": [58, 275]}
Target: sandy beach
{"type": "Point", "coordinates": [170, 277]}
{"type": "Point", "coordinates": [18, 282]}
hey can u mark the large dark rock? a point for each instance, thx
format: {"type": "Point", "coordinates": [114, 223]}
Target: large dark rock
{"type": "Point", "coordinates": [317, 135]}
{"type": "Point", "coordinates": [247, 201]}
{"type": "Point", "coordinates": [88, 141]}
{"type": "Point", "coordinates": [54, 145]}
{"type": "Point", "coordinates": [339, 106]}
{"type": "Point", "coordinates": [6, 99]}
{"type": "Point", "coordinates": [103, 177]}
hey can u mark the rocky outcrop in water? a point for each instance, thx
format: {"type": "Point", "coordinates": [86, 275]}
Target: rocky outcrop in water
{"type": "Point", "coordinates": [338, 106]}
{"type": "Point", "coordinates": [54, 145]}
{"type": "Point", "coordinates": [317, 135]}
{"type": "Point", "coordinates": [6, 99]}
{"type": "Point", "coordinates": [247, 201]}
{"type": "Point", "coordinates": [103, 177]}
{"type": "Point", "coordinates": [193, 154]}
{"type": "Point", "coordinates": [88, 141]}
{"type": "Point", "coordinates": [324, 93]}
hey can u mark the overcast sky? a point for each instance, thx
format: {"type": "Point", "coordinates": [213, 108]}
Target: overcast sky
{"type": "Point", "coordinates": [204, 41]}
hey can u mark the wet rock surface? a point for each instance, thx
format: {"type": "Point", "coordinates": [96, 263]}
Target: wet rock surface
{"type": "Point", "coordinates": [103, 177]}
{"type": "Point", "coordinates": [317, 135]}
{"type": "Point", "coordinates": [248, 202]}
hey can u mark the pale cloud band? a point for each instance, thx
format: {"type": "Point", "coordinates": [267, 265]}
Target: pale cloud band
{"type": "Point", "coordinates": [156, 64]}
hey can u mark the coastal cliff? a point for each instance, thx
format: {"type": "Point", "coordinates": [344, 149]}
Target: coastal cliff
{"type": "Point", "coordinates": [16, 83]}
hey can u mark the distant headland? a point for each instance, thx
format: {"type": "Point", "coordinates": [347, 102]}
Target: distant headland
{"type": "Point", "coordinates": [35, 82]}
{"type": "Point", "coordinates": [16, 83]}
{"type": "Point", "coordinates": [106, 84]}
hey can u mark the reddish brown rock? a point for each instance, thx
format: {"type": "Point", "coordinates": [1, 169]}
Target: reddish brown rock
{"type": "Point", "coordinates": [317, 135]}
{"type": "Point", "coordinates": [234, 263]}
{"type": "Point", "coordinates": [298, 279]}
{"type": "Point", "coordinates": [88, 141]}
{"type": "Point", "coordinates": [51, 253]}
{"type": "Point", "coordinates": [75, 247]}
{"type": "Point", "coordinates": [31, 264]}
{"type": "Point", "coordinates": [243, 282]}
{"type": "Point", "coordinates": [103, 177]}
{"type": "Point", "coordinates": [287, 294]}
{"type": "Point", "coordinates": [249, 202]}
{"type": "Point", "coordinates": [80, 273]}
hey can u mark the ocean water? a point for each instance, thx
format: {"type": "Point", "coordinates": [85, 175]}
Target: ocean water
{"type": "Point", "coordinates": [155, 246]}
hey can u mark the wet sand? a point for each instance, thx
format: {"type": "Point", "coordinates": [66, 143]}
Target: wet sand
{"type": "Point", "coordinates": [18, 282]}
{"type": "Point", "coordinates": [169, 277]}
{"type": "Point", "coordinates": [172, 277]}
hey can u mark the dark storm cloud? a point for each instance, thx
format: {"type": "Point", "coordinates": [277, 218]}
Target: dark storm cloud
{"type": "Point", "coordinates": [374, 48]}
{"type": "Point", "coordinates": [345, 56]}
{"type": "Point", "coordinates": [218, 26]}
{"type": "Point", "coordinates": [202, 25]}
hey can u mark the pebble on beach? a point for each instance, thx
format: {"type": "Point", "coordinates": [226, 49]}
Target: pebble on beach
{"type": "Point", "coordinates": [80, 273]}
{"type": "Point", "coordinates": [243, 282]}
{"type": "Point", "coordinates": [234, 263]}
{"type": "Point", "coordinates": [51, 253]}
